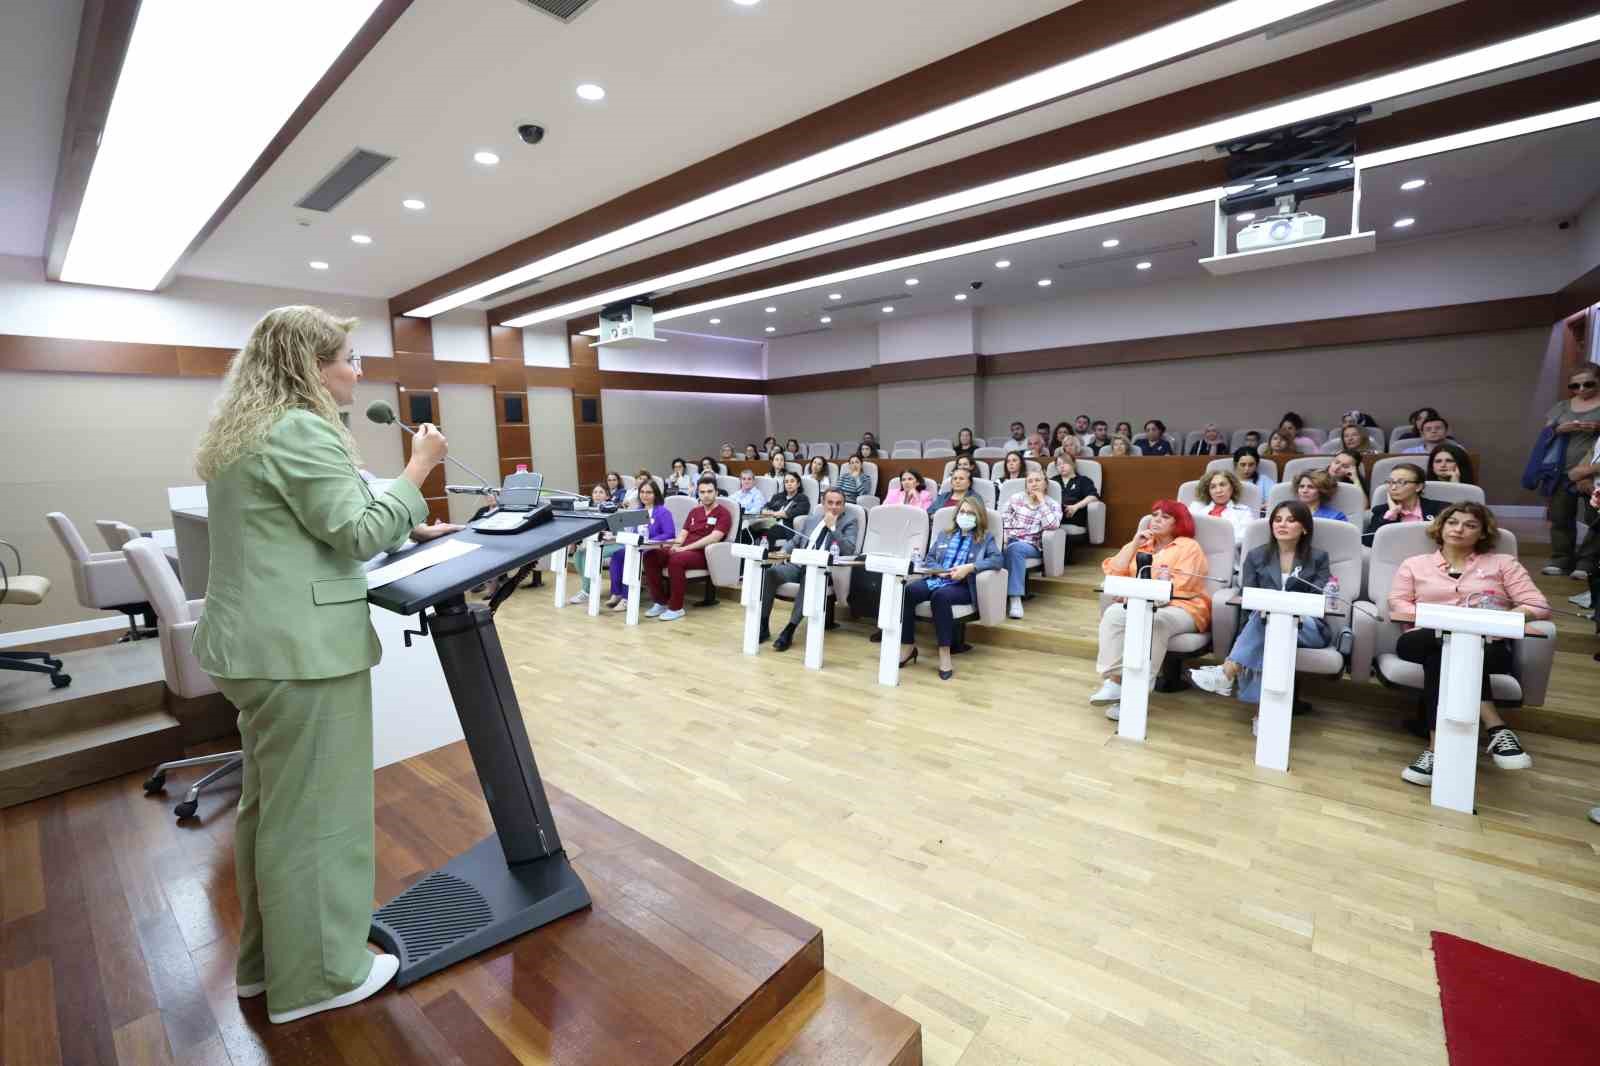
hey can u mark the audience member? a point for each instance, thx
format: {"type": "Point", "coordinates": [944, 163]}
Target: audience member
{"type": "Point", "coordinates": [1577, 419]}
{"type": "Point", "coordinates": [660, 529]}
{"type": "Point", "coordinates": [1013, 465]}
{"type": "Point", "coordinates": [1345, 466]}
{"type": "Point", "coordinates": [1017, 441]}
{"type": "Point", "coordinates": [1218, 495]}
{"type": "Point", "coordinates": [786, 505]}
{"type": "Point", "coordinates": [1043, 430]}
{"type": "Point", "coordinates": [1036, 449]}
{"type": "Point", "coordinates": [706, 524]}
{"type": "Point", "coordinates": [1350, 437]}
{"type": "Point", "coordinates": [597, 496]}
{"type": "Point", "coordinates": [953, 564]}
{"type": "Point", "coordinates": [960, 487]}
{"type": "Point", "coordinates": [1166, 550]}
{"type": "Point", "coordinates": [1465, 570]}
{"type": "Point", "coordinates": [1061, 434]}
{"type": "Point", "coordinates": [1316, 489]}
{"type": "Point", "coordinates": [910, 489]}
{"type": "Point", "coordinates": [1450, 462]}
{"type": "Point", "coordinates": [870, 439]}
{"type": "Point", "coordinates": [833, 529]}
{"type": "Point", "coordinates": [1292, 427]}
{"type": "Point", "coordinates": [1077, 490]}
{"type": "Point", "coordinates": [1247, 468]}
{"type": "Point", "coordinates": [965, 445]}
{"type": "Point", "coordinates": [1125, 429]}
{"type": "Point", "coordinates": [1154, 441]}
{"type": "Point", "coordinates": [725, 453]}
{"type": "Point", "coordinates": [778, 463]}
{"type": "Point", "coordinates": [749, 497]}
{"type": "Point", "coordinates": [769, 445]}
{"type": "Point", "coordinates": [1252, 439]}
{"type": "Point", "coordinates": [1210, 442]}
{"type": "Point", "coordinates": [817, 468]}
{"type": "Point", "coordinates": [680, 482]}
{"type": "Point", "coordinates": [1414, 421]}
{"type": "Point", "coordinates": [1120, 446]}
{"type": "Point", "coordinates": [1288, 562]}
{"type": "Point", "coordinates": [615, 488]}
{"type": "Point", "coordinates": [1099, 438]}
{"type": "Point", "coordinates": [1028, 515]}
{"type": "Point", "coordinates": [1435, 431]}
{"type": "Point", "coordinates": [707, 465]}
{"type": "Point", "coordinates": [640, 476]}
{"type": "Point", "coordinates": [1280, 445]}
{"type": "Point", "coordinates": [1071, 447]}
{"type": "Point", "coordinates": [867, 451]}
{"type": "Point", "coordinates": [750, 452]}
{"type": "Point", "coordinates": [1083, 429]}
{"type": "Point", "coordinates": [1406, 502]}
{"type": "Point", "coordinates": [791, 448]}
{"type": "Point", "coordinates": [854, 481]}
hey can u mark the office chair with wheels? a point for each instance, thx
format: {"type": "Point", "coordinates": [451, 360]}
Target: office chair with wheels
{"type": "Point", "coordinates": [28, 590]}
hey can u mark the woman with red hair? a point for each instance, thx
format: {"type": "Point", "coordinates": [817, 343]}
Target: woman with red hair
{"type": "Point", "coordinates": [1165, 550]}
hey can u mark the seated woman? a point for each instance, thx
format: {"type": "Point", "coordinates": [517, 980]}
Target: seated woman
{"type": "Point", "coordinates": [707, 465]}
{"type": "Point", "coordinates": [791, 447]}
{"type": "Point", "coordinates": [960, 488]}
{"type": "Point", "coordinates": [1247, 468]}
{"type": "Point", "coordinates": [615, 489]}
{"type": "Point", "coordinates": [785, 507]}
{"type": "Point", "coordinates": [1292, 426]}
{"type": "Point", "coordinates": [967, 463]}
{"type": "Point", "coordinates": [1282, 446]}
{"type": "Point", "coordinates": [817, 468]}
{"type": "Point", "coordinates": [725, 453]}
{"type": "Point", "coordinates": [1121, 446]}
{"type": "Point", "coordinates": [777, 464]}
{"type": "Point", "coordinates": [1406, 502]}
{"type": "Point", "coordinates": [867, 450]}
{"type": "Point", "coordinates": [1166, 550]}
{"type": "Point", "coordinates": [910, 489]}
{"type": "Point", "coordinates": [1344, 466]}
{"type": "Point", "coordinates": [1028, 515]}
{"type": "Point", "coordinates": [854, 481]}
{"type": "Point", "coordinates": [597, 496]}
{"type": "Point", "coordinates": [750, 452]}
{"type": "Point", "coordinates": [1124, 429]}
{"type": "Point", "coordinates": [769, 445]}
{"type": "Point", "coordinates": [680, 482]}
{"type": "Point", "coordinates": [1287, 562]}
{"type": "Point", "coordinates": [1450, 462]}
{"type": "Point", "coordinates": [1012, 466]}
{"type": "Point", "coordinates": [1060, 435]}
{"type": "Point", "coordinates": [1350, 437]}
{"type": "Point", "coordinates": [661, 528]}
{"type": "Point", "coordinates": [955, 560]}
{"type": "Point", "coordinates": [1315, 489]}
{"type": "Point", "coordinates": [965, 445]}
{"type": "Point", "coordinates": [1210, 442]}
{"type": "Point", "coordinates": [1077, 490]}
{"type": "Point", "coordinates": [1218, 495]}
{"type": "Point", "coordinates": [1155, 440]}
{"type": "Point", "coordinates": [1465, 570]}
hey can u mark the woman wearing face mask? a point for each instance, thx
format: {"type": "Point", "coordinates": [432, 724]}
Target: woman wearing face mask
{"type": "Point", "coordinates": [1165, 550]}
{"type": "Point", "coordinates": [1289, 563]}
{"type": "Point", "coordinates": [1464, 571]}
{"type": "Point", "coordinates": [956, 559]}
{"type": "Point", "coordinates": [1406, 502]}
{"type": "Point", "coordinates": [910, 489]}
{"type": "Point", "coordinates": [1247, 467]}
{"type": "Point", "coordinates": [1450, 462]}
{"type": "Point", "coordinates": [1217, 495]}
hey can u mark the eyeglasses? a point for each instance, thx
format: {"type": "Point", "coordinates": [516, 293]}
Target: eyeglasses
{"type": "Point", "coordinates": [355, 362]}
{"type": "Point", "coordinates": [1396, 482]}
{"type": "Point", "coordinates": [1575, 386]}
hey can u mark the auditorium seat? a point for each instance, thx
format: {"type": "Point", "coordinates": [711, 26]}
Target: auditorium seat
{"type": "Point", "coordinates": [896, 529]}
{"type": "Point", "coordinates": [982, 487]}
{"type": "Point", "coordinates": [820, 447]}
{"type": "Point", "coordinates": [1268, 467]}
{"type": "Point", "coordinates": [1295, 467]}
{"type": "Point", "coordinates": [937, 442]}
{"type": "Point", "coordinates": [1094, 524]}
{"type": "Point", "coordinates": [1382, 467]}
{"type": "Point", "coordinates": [1237, 441]}
{"type": "Point", "coordinates": [906, 453]}
{"type": "Point", "coordinates": [103, 580]}
{"type": "Point", "coordinates": [990, 454]}
{"type": "Point", "coordinates": [1401, 437]}
{"type": "Point", "coordinates": [1316, 434]}
{"type": "Point", "coordinates": [938, 453]}
{"type": "Point", "coordinates": [767, 484]}
{"type": "Point", "coordinates": [728, 484]}
{"type": "Point", "coordinates": [1346, 497]}
{"type": "Point", "coordinates": [1250, 497]}
{"type": "Point", "coordinates": [1376, 637]}
{"type": "Point", "coordinates": [1442, 491]}
{"type": "Point", "coordinates": [914, 446]}
{"type": "Point", "coordinates": [980, 467]}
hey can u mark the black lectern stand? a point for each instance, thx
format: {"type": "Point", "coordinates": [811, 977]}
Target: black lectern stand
{"type": "Point", "coordinates": [519, 878]}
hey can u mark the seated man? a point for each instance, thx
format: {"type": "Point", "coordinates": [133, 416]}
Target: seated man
{"type": "Point", "coordinates": [749, 498]}
{"type": "Point", "coordinates": [1435, 430]}
{"type": "Point", "coordinates": [834, 528]}
{"type": "Point", "coordinates": [1016, 442]}
{"type": "Point", "coordinates": [706, 524]}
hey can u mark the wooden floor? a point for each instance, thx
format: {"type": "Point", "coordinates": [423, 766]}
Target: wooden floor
{"type": "Point", "coordinates": [984, 855]}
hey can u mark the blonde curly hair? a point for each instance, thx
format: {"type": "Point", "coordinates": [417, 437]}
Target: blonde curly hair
{"type": "Point", "coordinates": [275, 372]}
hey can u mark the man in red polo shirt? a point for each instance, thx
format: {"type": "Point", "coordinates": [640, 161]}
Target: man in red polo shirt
{"type": "Point", "coordinates": [706, 524]}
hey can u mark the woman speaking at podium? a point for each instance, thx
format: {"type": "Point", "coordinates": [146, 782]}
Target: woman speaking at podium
{"type": "Point", "coordinates": [287, 636]}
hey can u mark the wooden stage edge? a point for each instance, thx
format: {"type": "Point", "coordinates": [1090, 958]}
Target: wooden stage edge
{"type": "Point", "coordinates": [125, 924]}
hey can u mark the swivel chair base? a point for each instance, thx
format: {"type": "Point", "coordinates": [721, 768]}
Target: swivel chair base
{"type": "Point", "coordinates": [47, 664]}
{"type": "Point", "coordinates": [231, 762]}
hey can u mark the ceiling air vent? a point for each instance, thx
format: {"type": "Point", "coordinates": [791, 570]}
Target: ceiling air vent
{"type": "Point", "coordinates": [357, 168]}
{"type": "Point", "coordinates": [886, 298]}
{"type": "Point", "coordinates": [565, 10]}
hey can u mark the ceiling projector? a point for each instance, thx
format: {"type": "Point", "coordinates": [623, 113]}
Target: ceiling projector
{"type": "Point", "coordinates": [1282, 229]}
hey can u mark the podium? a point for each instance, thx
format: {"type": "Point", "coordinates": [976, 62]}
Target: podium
{"type": "Point", "coordinates": [1283, 611]}
{"type": "Point", "coordinates": [520, 878]}
{"type": "Point", "coordinates": [814, 602]}
{"type": "Point", "coordinates": [750, 590]}
{"type": "Point", "coordinates": [1455, 743]}
{"type": "Point", "coordinates": [891, 605]}
{"type": "Point", "coordinates": [591, 570]}
{"type": "Point", "coordinates": [632, 572]}
{"type": "Point", "coordinates": [1143, 596]}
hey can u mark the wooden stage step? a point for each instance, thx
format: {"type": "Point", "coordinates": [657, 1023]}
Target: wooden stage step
{"type": "Point", "coordinates": [833, 1021]}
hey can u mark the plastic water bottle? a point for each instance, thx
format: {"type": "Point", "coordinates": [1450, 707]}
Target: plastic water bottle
{"type": "Point", "coordinates": [763, 544]}
{"type": "Point", "coordinates": [1331, 596]}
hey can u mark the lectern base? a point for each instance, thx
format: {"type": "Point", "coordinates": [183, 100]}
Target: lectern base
{"type": "Point", "coordinates": [472, 903]}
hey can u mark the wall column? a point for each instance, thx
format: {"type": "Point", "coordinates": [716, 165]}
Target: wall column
{"type": "Point", "coordinates": [513, 431]}
{"type": "Point", "coordinates": [418, 380]}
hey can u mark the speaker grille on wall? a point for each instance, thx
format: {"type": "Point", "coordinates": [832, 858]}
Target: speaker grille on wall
{"type": "Point", "coordinates": [356, 170]}
{"type": "Point", "coordinates": [565, 10]}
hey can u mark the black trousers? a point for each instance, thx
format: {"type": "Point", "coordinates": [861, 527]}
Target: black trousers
{"type": "Point", "coordinates": [1426, 647]}
{"type": "Point", "coordinates": [945, 599]}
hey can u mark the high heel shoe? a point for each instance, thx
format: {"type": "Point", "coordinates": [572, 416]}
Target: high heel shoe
{"type": "Point", "coordinates": [946, 675]}
{"type": "Point", "coordinates": [909, 659]}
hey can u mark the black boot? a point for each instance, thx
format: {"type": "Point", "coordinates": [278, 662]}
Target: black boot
{"type": "Point", "coordinates": [766, 633]}
{"type": "Point", "coordinates": [785, 638]}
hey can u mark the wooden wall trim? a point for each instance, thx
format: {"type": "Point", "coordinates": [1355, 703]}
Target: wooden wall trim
{"type": "Point", "coordinates": [1579, 294]}
{"type": "Point", "coordinates": [636, 381]}
{"type": "Point", "coordinates": [1073, 31]}
{"type": "Point", "coordinates": [61, 355]}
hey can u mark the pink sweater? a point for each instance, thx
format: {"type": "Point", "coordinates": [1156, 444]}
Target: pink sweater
{"type": "Point", "coordinates": [1426, 579]}
{"type": "Point", "coordinates": [923, 499]}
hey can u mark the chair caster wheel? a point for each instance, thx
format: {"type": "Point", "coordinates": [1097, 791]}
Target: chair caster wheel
{"type": "Point", "coordinates": [186, 809]}
{"type": "Point", "coordinates": [155, 783]}
{"type": "Point", "coordinates": [61, 680]}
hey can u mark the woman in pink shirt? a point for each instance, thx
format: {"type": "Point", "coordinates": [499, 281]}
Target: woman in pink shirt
{"type": "Point", "coordinates": [910, 489]}
{"type": "Point", "coordinates": [1465, 572]}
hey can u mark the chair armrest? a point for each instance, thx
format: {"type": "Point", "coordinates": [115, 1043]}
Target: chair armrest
{"type": "Point", "coordinates": [991, 597]}
{"type": "Point", "coordinates": [1224, 621]}
{"type": "Point", "coordinates": [721, 564]}
{"type": "Point", "coordinates": [867, 503]}
{"type": "Point", "coordinates": [1055, 552]}
{"type": "Point", "coordinates": [196, 609]}
{"type": "Point", "coordinates": [1096, 512]}
{"type": "Point", "coordinates": [1364, 648]}
{"type": "Point", "coordinates": [109, 580]}
{"type": "Point", "coordinates": [1531, 661]}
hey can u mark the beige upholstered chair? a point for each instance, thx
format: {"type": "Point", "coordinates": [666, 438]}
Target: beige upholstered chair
{"type": "Point", "coordinates": [1295, 467]}
{"type": "Point", "coordinates": [839, 575]}
{"type": "Point", "coordinates": [1445, 492]}
{"type": "Point", "coordinates": [1377, 635]}
{"type": "Point", "coordinates": [1268, 467]}
{"type": "Point", "coordinates": [103, 580]}
{"type": "Point", "coordinates": [1346, 497]}
{"type": "Point", "coordinates": [27, 590]}
{"type": "Point", "coordinates": [1251, 497]}
{"type": "Point", "coordinates": [896, 529]}
{"type": "Point", "coordinates": [1094, 525]}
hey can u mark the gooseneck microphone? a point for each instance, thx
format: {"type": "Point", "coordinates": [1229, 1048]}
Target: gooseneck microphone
{"type": "Point", "coordinates": [380, 412]}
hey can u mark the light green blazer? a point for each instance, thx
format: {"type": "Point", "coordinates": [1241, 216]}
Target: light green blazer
{"type": "Point", "coordinates": [290, 525]}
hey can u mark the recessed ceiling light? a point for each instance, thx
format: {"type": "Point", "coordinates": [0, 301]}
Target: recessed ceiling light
{"type": "Point", "coordinates": [1245, 216]}
{"type": "Point", "coordinates": [1142, 266]}
{"type": "Point", "coordinates": [413, 205]}
{"type": "Point", "coordinates": [1110, 242]}
{"type": "Point", "coordinates": [888, 309]}
{"type": "Point", "coordinates": [835, 295]}
{"type": "Point", "coordinates": [747, 3]}
{"type": "Point", "coordinates": [826, 319]}
{"type": "Point", "coordinates": [1044, 283]}
{"type": "Point", "coordinates": [317, 264]}
{"type": "Point", "coordinates": [912, 281]}
{"type": "Point", "coordinates": [360, 238]}
{"type": "Point", "coordinates": [961, 296]}
{"type": "Point", "coordinates": [772, 310]}
{"type": "Point", "coordinates": [591, 91]}
{"type": "Point", "coordinates": [716, 321]}
{"type": "Point", "coordinates": [1414, 183]}
{"type": "Point", "coordinates": [772, 329]}
{"type": "Point", "coordinates": [1001, 264]}
{"type": "Point", "coordinates": [1297, 181]}
{"type": "Point", "coordinates": [487, 159]}
{"type": "Point", "coordinates": [1402, 223]}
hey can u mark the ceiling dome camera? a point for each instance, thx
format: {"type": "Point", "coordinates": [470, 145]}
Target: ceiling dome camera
{"type": "Point", "coordinates": [976, 285]}
{"type": "Point", "coordinates": [530, 132]}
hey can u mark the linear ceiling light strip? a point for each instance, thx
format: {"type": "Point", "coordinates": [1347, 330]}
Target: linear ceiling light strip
{"type": "Point", "coordinates": [1372, 90]}
{"type": "Point", "coordinates": [1141, 52]}
{"type": "Point", "coordinates": [1500, 131]}
{"type": "Point", "coordinates": [203, 90]}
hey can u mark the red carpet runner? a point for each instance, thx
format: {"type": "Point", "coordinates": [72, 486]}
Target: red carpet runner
{"type": "Point", "coordinates": [1501, 1010]}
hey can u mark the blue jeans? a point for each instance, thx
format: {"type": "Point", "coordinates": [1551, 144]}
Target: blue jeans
{"type": "Point", "coordinates": [1018, 552]}
{"type": "Point", "coordinates": [1249, 649]}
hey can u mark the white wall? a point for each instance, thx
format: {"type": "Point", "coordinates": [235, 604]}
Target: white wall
{"type": "Point", "coordinates": [555, 444]}
{"type": "Point", "coordinates": [689, 353]}
{"type": "Point", "coordinates": [927, 336]}
{"type": "Point", "coordinates": [468, 413]}
{"type": "Point", "coordinates": [546, 345]}
{"type": "Point", "coordinates": [461, 336]}
{"type": "Point", "coordinates": [836, 415]}
{"type": "Point", "coordinates": [821, 352]}
{"type": "Point", "coordinates": [916, 409]}
{"type": "Point", "coordinates": [649, 429]}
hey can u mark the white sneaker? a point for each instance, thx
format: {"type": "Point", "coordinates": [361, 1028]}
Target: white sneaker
{"type": "Point", "coordinates": [1594, 815]}
{"type": "Point", "coordinates": [1109, 692]}
{"type": "Point", "coordinates": [252, 991]}
{"type": "Point", "coordinates": [656, 610]}
{"type": "Point", "coordinates": [384, 967]}
{"type": "Point", "coordinates": [1114, 711]}
{"type": "Point", "coordinates": [1582, 599]}
{"type": "Point", "coordinates": [1552, 571]}
{"type": "Point", "coordinates": [1255, 725]}
{"type": "Point", "coordinates": [620, 605]}
{"type": "Point", "coordinates": [1015, 610]}
{"type": "Point", "coordinates": [1213, 679]}
{"type": "Point", "coordinates": [671, 616]}
{"type": "Point", "coordinates": [581, 597]}
{"type": "Point", "coordinates": [1580, 575]}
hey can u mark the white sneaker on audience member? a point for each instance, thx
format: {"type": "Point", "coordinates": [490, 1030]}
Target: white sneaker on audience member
{"type": "Point", "coordinates": [384, 967]}
{"type": "Point", "coordinates": [579, 597]}
{"type": "Point", "coordinates": [1579, 575]}
{"type": "Point", "coordinates": [1420, 772]}
{"type": "Point", "coordinates": [671, 616]}
{"type": "Point", "coordinates": [1582, 599]}
{"type": "Point", "coordinates": [1212, 679]}
{"type": "Point", "coordinates": [1594, 815]}
{"type": "Point", "coordinates": [1503, 744]}
{"type": "Point", "coordinates": [1552, 571]}
{"type": "Point", "coordinates": [1114, 711]}
{"type": "Point", "coordinates": [656, 610]}
{"type": "Point", "coordinates": [1108, 692]}
{"type": "Point", "coordinates": [1015, 608]}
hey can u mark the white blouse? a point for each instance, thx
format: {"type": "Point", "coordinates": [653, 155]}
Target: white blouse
{"type": "Point", "coordinates": [1235, 512]}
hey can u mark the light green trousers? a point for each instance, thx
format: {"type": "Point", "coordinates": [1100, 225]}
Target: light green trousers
{"type": "Point", "coordinates": [606, 552]}
{"type": "Point", "coordinates": [303, 846]}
